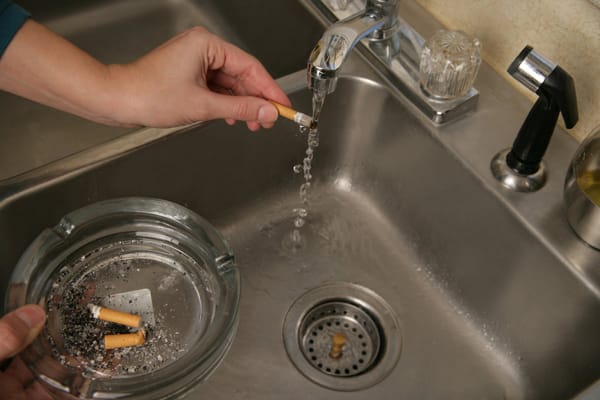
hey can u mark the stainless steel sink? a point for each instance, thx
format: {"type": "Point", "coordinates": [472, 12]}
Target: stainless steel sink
{"type": "Point", "coordinates": [119, 31]}
{"type": "Point", "coordinates": [495, 296]}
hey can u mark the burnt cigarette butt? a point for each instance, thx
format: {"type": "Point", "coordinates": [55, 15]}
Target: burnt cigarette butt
{"type": "Point", "coordinates": [338, 341]}
{"type": "Point", "coordinates": [293, 115]}
{"type": "Point", "coordinates": [124, 340]}
{"type": "Point", "coordinates": [118, 317]}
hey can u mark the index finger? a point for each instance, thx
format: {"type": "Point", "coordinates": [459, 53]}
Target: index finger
{"type": "Point", "coordinates": [248, 74]}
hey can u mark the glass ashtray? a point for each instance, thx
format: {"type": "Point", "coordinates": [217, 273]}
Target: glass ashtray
{"type": "Point", "coordinates": [147, 257]}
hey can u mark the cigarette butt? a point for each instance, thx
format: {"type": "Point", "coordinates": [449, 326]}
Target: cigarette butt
{"type": "Point", "coordinates": [337, 344]}
{"type": "Point", "coordinates": [118, 317]}
{"type": "Point", "coordinates": [124, 340]}
{"type": "Point", "coordinates": [293, 115]}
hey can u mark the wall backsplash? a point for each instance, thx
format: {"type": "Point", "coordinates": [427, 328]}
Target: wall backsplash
{"type": "Point", "coordinates": [566, 32]}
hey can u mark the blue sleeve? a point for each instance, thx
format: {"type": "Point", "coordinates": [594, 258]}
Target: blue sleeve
{"type": "Point", "coordinates": [12, 18]}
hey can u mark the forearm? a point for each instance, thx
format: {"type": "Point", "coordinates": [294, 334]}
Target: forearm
{"type": "Point", "coordinates": [179, 82]}
{"type": "Point", "coordinates": [43, 67]}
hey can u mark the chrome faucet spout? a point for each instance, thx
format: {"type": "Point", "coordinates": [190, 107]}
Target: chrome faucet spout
{"type": "Point", "coordinates": [390, 45]}
{"type": "Point", "coordinates": [338, 41]}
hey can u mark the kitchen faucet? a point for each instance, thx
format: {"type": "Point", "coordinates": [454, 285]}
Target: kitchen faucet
{"type": "Point", "coordinates": [391, 45]}
{"type": "Point", "coordinates": [377, 21]}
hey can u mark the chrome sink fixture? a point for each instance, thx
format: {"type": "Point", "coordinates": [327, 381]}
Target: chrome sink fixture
{"type": "Point", "coordinates": [461, 288]}
{"type": "Point", "coordinates": [378, 20]}
{"type": "Point", "coordinates": [520, 167]}
{"type": "Point", "coordinates": [394, 48]}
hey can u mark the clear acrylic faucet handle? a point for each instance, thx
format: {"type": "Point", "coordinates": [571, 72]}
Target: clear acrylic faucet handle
{"type": "Point", "coordinates": [449, 64]}
{"type": "Point", "coordinates": [338, 5]}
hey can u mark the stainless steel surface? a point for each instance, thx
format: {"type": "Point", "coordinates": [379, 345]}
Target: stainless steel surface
{"type": "Point", "coordinates": [495, 296]}
{"type": "Point", "coordinates": [119, 31]}
{"type": "Point", "coordinates": [583, 215]}
{"type": "Point", "coordinates": [581, 191]}
{"type": "Point", "coordinates": [513, 180]}
{"type": "Point", "coordinates": [394, 52]}
{"type": "Point", "coordinates": [369, 324]}
{"type": "Point", "coordinates": [531, 69]}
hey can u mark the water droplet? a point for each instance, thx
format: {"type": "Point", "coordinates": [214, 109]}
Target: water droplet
{"type": "Point", "coordinates": [293, 242]}
{"type": "Point", "coordinates": [305, 168]}
{"type": "Point", "coordinates": [296, 237]}
{"type": "Point", "coordinates": [267, 230]}
{"type": "Point", "coordinates": [304, 191]}
{"type": "Point", "coordinates": [301, 212]}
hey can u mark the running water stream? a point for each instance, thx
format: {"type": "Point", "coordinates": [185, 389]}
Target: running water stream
{"type": "Point", "coordinates": [301, 212]}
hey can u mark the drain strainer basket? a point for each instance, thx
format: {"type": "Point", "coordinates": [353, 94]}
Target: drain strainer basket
{"type": "Point", "coordinates": [357, 330]}
{"type": "Point", "coordinates": [342, 336]}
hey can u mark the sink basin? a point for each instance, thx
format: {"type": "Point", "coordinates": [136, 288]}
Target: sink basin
{"type": "Point", "coordinates": [119, 31]}
{"type": "Point", "coordinates": [486, 310]}
{"type": "Point", "coordinates": [494, 295]}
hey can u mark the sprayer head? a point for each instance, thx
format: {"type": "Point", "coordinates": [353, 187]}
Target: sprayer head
{"type": "Point", "coordinates": [531, 68]}
{"type": "Point", "coordinates": [547, 79]}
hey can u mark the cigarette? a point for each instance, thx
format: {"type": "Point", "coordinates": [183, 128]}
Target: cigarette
{"type": "Point", "coordinates": [337, 344]}
{"type": "Point", "coordinates": [124, 340]}
{"type": "Point", "coordinates": [118, 317]}
{"type": "Point", "coordinates": [293, 115]}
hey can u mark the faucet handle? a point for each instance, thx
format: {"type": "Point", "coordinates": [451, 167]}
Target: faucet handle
{"type": "Point", "coordinates": [338, 5]}
{"type": "Point", "coordinates": [449, 64]}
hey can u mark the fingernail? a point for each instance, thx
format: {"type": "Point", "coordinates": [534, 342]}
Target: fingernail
{"type": "Point", "coordinates": [267, 113]}
{"type": "Point", "coordinates": [32, 316]}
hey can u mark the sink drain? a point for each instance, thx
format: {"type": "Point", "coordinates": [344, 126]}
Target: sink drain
{"type": "Point", "coordinates": [342, 336]}
{"type": "Point", "coordinates": [353, 326]}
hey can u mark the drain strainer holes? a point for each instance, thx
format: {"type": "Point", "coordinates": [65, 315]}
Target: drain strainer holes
{"type": "Point", "coordinates": [339, 338]}
{"type": "Point", "coordinates": [342, 336]}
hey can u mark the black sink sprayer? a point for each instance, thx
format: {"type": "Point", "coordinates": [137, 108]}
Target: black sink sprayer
{"type": "Point", "coordinates": [556, 91]}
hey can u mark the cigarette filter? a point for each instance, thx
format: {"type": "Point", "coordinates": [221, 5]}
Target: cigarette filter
{"type": "Point", "coordinates": [293, 115]}
{"type": "Point", "coordinates": [118, 317]}
{"type": "Point", "coordinates": [124, 340]}
{"type": "Point", "coordinates": [337, 344]}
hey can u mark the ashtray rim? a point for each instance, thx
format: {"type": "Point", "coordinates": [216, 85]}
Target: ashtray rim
{"type": "Point", "coordinates": [188, 227]}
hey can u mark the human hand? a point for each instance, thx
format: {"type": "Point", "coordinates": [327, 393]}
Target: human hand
{"type": "Point", "coordinates": [196, 76]}
{"type": "Point", "coordinates": [17, 330]}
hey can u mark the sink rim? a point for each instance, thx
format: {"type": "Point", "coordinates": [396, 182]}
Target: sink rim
{"type": "Point", "coordinates": [94, 156]}
{"type": "Point", "coordinates": [84, 161]}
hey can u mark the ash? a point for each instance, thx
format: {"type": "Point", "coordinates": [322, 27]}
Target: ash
{"type": "Point", "coordinates": [80, 344]}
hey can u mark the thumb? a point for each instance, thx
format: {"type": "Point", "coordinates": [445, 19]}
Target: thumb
{"type": "Point", "coordinates": [18, 329]}
{"type": "Point", "coordinates": [241, 108]}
